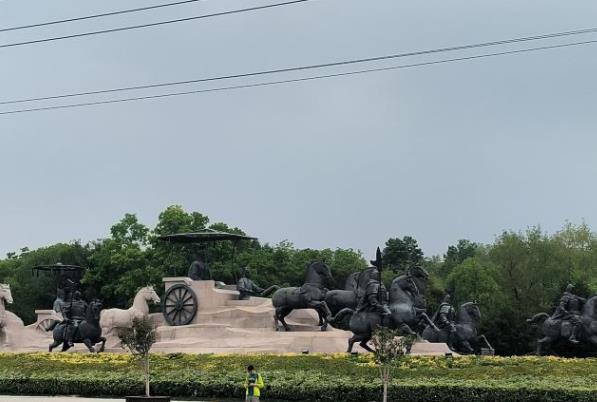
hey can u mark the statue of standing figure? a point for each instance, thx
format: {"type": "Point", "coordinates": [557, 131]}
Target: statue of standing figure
{"type": "Point", "coordinates": [247, 288]}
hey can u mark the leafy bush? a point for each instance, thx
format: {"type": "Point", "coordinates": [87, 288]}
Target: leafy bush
{"type": "Point", "coordinates": [305, 377]}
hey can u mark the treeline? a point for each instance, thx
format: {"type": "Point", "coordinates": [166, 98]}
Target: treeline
{"type": "Point", "coordinates": [517, 276]}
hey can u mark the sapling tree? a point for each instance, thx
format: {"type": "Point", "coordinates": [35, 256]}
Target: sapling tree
{"type": "Point", "coordinates": [138, 340]}
{"type": "Point", "coordinates": [389, 350]}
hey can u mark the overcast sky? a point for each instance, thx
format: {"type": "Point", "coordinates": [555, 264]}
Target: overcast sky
{"type": "Point", "coordinates": [443, 152]}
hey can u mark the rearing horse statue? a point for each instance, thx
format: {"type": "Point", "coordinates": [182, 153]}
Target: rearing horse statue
{"type": "Point", "coordinates": [310, 295]}
{"type": "Point", "coordinates": [407, 303]}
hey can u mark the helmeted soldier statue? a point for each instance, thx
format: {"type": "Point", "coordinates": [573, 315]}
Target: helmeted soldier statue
{"type": "Point", "coordinates": [74, 312]}
{"type": "Point", "coordinates": [445, 319]}
{"type": "Point", "coordinates": [375, 297]}
{"type": "Point", "coordinates": [570, 309]}
{"type": "Point", "coordinates": [199, 270]}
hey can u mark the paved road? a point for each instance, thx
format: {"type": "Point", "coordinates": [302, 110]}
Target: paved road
{"type": "Point", "coordinates": [13, 398]}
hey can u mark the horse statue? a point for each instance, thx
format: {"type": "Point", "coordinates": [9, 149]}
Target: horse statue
{"type": "Point", "coordinates": [420, 276]}
{"type": "Point", "coordinates": [554, 329]}
{"type": "Point", "coordinates": [353, 290]}
{"type": "Point", "coordinates": [88, 332]}
{"type": "Point", "coordinates": [467, 319]}
{"type": "Point", "coordinates": [407, 303]}
{"type": "Point", "coordinates": [118, 318]}
{"type": "Point", "coordinates": [5, 298]}
{"type": "Point", "coordinates": [310, 295]}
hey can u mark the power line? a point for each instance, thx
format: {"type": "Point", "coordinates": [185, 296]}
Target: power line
{"type": "Point", "coordinates": [317, 77]}
{"type": "Point", "coordinates": [308, 67]}
{"type": "Point", "coordinates": [88, 17]}
{"type": "Point", "coordinates": [153, 24]}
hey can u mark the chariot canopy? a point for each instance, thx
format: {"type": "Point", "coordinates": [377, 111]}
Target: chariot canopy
{"type": "Point", "coordinates": [204, 236]}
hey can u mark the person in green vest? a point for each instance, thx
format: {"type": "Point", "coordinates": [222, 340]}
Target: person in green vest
{"type": "Point", "coordinates": [253, 385]}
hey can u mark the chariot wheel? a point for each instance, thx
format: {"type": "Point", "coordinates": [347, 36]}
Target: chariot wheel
{"type": "Point", "coordinates": [179, 305]}
{"type": "Point", "coordinates": [45, 324]}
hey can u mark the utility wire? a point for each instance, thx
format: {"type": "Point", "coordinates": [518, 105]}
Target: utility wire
{"type": "Point", "coordinates": [153, 24]}
{"type": "Point", "coordinates": [317, 77]}
{"type": "Point", "coordinates": [308, 67]}
{"type": "Point", "coordinates": [88, 17]}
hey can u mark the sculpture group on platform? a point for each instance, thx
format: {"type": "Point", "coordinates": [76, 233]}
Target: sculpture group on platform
{"type": "Point", "coordinates": [364, 305]}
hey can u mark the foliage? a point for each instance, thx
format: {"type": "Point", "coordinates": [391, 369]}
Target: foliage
{"type": "Point", "coordinates": [389, 349]}
{"type": "Point", "coordinates": [307, 377]}
{"type": "Point", "coordinates": [138, 340]}
{"type": "Point", "coordinates": [402, 253]}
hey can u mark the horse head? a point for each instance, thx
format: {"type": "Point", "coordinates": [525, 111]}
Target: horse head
{"type": "Point", "coordinates": [403, 290]}
{"type": "Point", "coordinates": [418, 271]}
{"type": "Point", "coordinates": [469, 312]}
{"type": "Point", "coordinates": [95, 308]}
{"type": "Point", "coordinates": [5, 293]}
{"type": "Point", "coordinates": [321, 271]}
{"type": "Point", "coordinates": [150, 294]}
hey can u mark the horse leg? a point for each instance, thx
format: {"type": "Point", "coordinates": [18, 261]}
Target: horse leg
{"type": "Point", "coordinates": [89, 345]}
{"type": "Point", "coordinates": [404, 328]}
{"type": "Point", "coordinates": [364, 344]}
{"type": "Point", "coordinates": [320, 314]}
{"type": "Point", "coordinates": [468, 349]}
{"type": "Point", "coordinates": [541, 343]}
{"type": "Point", "coordinates": [65, 346]}
{"type": "Point", "coordinates": [484, 339]}
{"type": "Point", "coordinates": [103, 340]}
{"type": "Point", "coordinates": [282, 312]}
{"type": "Point", "coordinates": [53, 345]}
{"type": "Point", "coordinates": [426, 318]}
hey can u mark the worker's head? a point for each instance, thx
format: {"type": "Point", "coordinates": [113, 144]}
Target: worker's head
{"type": "Point", "coordinates": [250, 368]}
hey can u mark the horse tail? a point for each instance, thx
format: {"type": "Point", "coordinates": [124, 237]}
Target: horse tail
{"type": "Point", "coordinates": [341, 315]}
{"type": "Point", "coordinates": [537, 318]}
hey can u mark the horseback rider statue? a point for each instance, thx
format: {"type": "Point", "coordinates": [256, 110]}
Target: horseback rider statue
{"type": "Point", "coordinates": [375, 297]}
{"type": "Point", "coordinates": [199, 270]}
{"type": "Point", "coordinates": [570, 309]}
{"type": "Point", "coordinates": [247, 288]}
{"type": "Point", "coordinates": [445, 319]}
{"type": "Point", "coordinates": [74, 313]}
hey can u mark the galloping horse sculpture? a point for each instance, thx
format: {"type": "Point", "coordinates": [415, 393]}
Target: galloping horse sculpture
{"type": "Point", "coordinates": [89, 331]}
{"type": "Point", "coordinates": [118, 318]}
{"type": "Point", "coordinates": [554, 329]}
{"type": "Point", "coordinates": [466, 338]}
{"type": "Point", "coordinates": [310, 295]}
{"type": "Point", "coordinates": [355, 286]}
{"type": "Point", "coordinates": [404, 294]}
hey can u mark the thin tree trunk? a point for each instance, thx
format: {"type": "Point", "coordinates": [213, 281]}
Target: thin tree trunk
{"type": "Point", "coordinates": [385, 383]}
{"type": "Point", "coordinates": [147, 376]}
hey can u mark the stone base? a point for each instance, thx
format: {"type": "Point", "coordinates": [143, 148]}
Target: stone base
{"type": "Point", "coordinates": [147, 399]}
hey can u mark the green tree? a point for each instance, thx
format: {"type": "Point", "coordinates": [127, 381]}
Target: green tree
{"type": "Point", "coordinates": [401, 253]}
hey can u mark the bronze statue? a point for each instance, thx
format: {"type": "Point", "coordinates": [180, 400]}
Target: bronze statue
{"type": "Point", "coordinates": [407, 304]}
{"type": "Point", "coordinates": [310, 295]}
{"type": "Point", "coordinates": [463, 333]}
{"type": "Point", "coordinates": [74, 312]}
{"type": "Point", "coordinates": [199, 270]}
{"type": "Point", "coordinates": [88, 331]}
{"type": "Point", "coordinates": [445, 319]}
{"type": "Point", "coordinates": [575, 319]}
{"type": "Point", "coordinates": [247, 288]}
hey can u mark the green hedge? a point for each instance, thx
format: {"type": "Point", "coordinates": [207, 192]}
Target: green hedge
{"type": "Point", "coordinates": [304, 377]}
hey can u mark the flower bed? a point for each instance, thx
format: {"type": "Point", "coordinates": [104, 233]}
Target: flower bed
{"type": "Point", "coordinates": [304, 377]}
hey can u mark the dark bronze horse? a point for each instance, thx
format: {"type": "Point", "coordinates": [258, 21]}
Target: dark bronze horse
{"type": "Point", "coordinates": [89, 331]}
{"type": "Point", "coordinates": [466, 338]}
{"type": "Point", "coordinates": [310, 295]}
{"type": "Point", "coordinates": [364, 323]}
{"type": "Point", "coordinates": [355, 286]}
{"type": "Point", "coordinates": [555, 329]}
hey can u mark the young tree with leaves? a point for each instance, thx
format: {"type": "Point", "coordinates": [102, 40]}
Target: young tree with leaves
{"type": "Point", "coordinates": [138, 340]}
{"type": "Point", "coordinates": [389, 349]}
